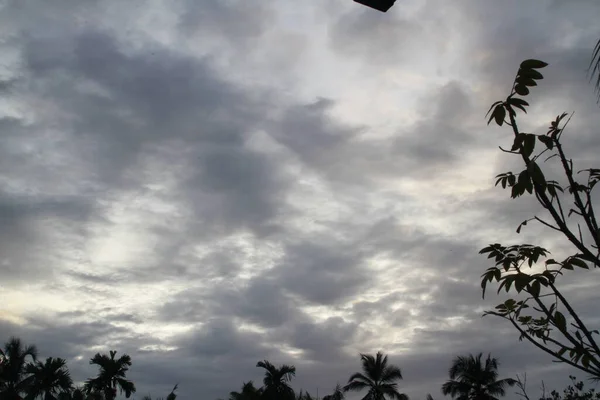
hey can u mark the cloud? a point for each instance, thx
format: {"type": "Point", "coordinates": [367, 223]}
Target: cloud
{"type": "Point", "coordinates": [205, 185]}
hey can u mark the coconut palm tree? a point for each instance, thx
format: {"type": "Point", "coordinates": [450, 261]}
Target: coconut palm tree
{"type": "Point", "coordinates": [111, 376]}
{"type": "Point", "coordinates": [249, 392]}
{"type": "Point", "coordinates": [276, 381]}
{"type": "Point", "coordinates": [47, 379]}
{"type": "Point", "coordinates": [377, 377]}
{"type": "Point", "coordinates": [338, 393]}
{"type": "Point", "coordinates": [12, 377]}
{"type": "Point", "coordinates": [472, 378]}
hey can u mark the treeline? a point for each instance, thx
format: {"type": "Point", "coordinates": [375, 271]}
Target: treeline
{"type": "Point", "coordinates": [471, 377]}
{"type": "Point", "coordinates": [24, 377]}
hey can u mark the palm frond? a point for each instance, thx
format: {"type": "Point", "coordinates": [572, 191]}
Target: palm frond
{"type": "Point", "coordinates": [391, 373]}
{"type": "Point", "coordinates": [355, 386]}
{"type": "Point", "coordinates": [361, 378]}
{"type": "Point", "coordinates": [594, 68]}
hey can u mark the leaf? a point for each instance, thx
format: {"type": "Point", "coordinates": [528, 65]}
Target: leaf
{"type": "Point", "coordinates": [486, 249]}
{"type": "Point", "coordinates": [532, 63]}
{"type": "Point", "coordinates": [578, 263]}
{"type": "Point", "coordinates": [511, 179]}
{"type": "Point", "coordinates": [521, 90]}
{"type": "Point", "coordinates": [585, 361]}
{"type": "Point", "coordinates": [518, 141]}
{"type": "Point", "coordinates": [522, 224]}
{"type": "Point", "coordinates": [490, 110]}
{"type": "Point", "coordinates": [560, 321]}
{"type": "Point", "coordinates": [519, 103]}
{"type": "Point", "coordinates": [547, 141]}
{"type": "Point", "coordinates": [536, 174]}
{"type": "Point", "coordinates": [535, 288]}
{"type": "Point", "coordinates": [523, 178]}
{"type": "Point", "coordinates": [499, 114]}
{"type": "Point", "coordinates": [517, 190]}
{"type": "Point", "coordinates": [528, 144]}
{"type": "Point", "coordinates": [521, 281]}
{"type": "Point", "coordinates": [568, 266]}
{"type": "Point", "coordinates": [529, 74]}
{"type": "Point", "coordinates": [526, 81]}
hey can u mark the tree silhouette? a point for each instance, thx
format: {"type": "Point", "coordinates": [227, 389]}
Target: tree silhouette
{"type": "Point", "coordinates": [378, 378]}
{"type": "Point", "coordinates": [12, 374]}
{"type": "Point", "coordinates": [472, 379]}
{"type": "Point", "coordinates": [276, 381]}
{"type": "Point", "coordinates": [112, 376]}
{"type": "Point", "coordinates": [338, 394]}
{"type": "Point", "coordinates": [249, 392]}
{"type": "Point", "coordinates": [539, 307]}
{"type": "Point", "coordinates": [47, 379]}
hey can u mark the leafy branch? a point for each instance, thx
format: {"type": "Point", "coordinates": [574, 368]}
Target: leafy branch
{"type": "Point", "coordinates": [545, 317]}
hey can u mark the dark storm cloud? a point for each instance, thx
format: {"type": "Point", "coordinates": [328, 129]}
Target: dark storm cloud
{"type": "Point", "coordinates": [338, 153]}
{"type": "Point", "coordinates": [322, 341]}
{"type": "Point", "coordinates": [153, 103]}
{"type": "Point", "coordinates": [323, 274]}
{"type": "Point", "coordinates": [259, 301]}
{"type": "Point", "coordinates": [441, 138]}
{"type": "Point", "coordinates": [32, 227]}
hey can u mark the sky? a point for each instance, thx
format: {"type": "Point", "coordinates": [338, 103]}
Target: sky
{"type": "Point", "coordinates": [203, 184]}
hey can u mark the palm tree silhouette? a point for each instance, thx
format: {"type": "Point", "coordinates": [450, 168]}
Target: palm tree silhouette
{"type": "Point", "coordinates": [338, 394]}
{"type": "Point", "coordinates": [276, 381]}
{"type": "Point", "coordinates": [47, 379]}
{"type": "Point", "coordinates": [111, 376]}
{"type": "Point", "coordinates": [12, 375]}
{"type": "Point", "coordinates": [249, 392]}
{"type": "Point", "coordinates": [473, 379]}
{"type": "Point", "coordinates": [378, 377]}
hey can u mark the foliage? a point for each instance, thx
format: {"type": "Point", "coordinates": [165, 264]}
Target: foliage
{"type": "Point", "coordinates": [48, 379]}
{"type": "Point", "coordinates": [112, 375]}
{"type": "Point", "coordinates": [472, 379]}
{"type": "Point", "coordinates": [543, 315]}
{"type": "Point", "coordinates": [377, 377]}
{"type": "Point", "coordinates": [573, 392]}
{"type": "Point", "coordinates": [14, 360]}
{"type": "Point", "coordinates": [338, 393]}
{"type": "Point", "coordinates": [249, 392]}
{"type": "Point", "coordinates": [276, 381]}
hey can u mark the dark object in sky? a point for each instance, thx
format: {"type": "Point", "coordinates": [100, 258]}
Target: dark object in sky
{"type": "Point", "coordinates": [381, 5]}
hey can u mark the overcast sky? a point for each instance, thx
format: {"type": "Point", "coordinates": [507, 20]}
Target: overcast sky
{"type": "Point", "coordinates": [203, 184]}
